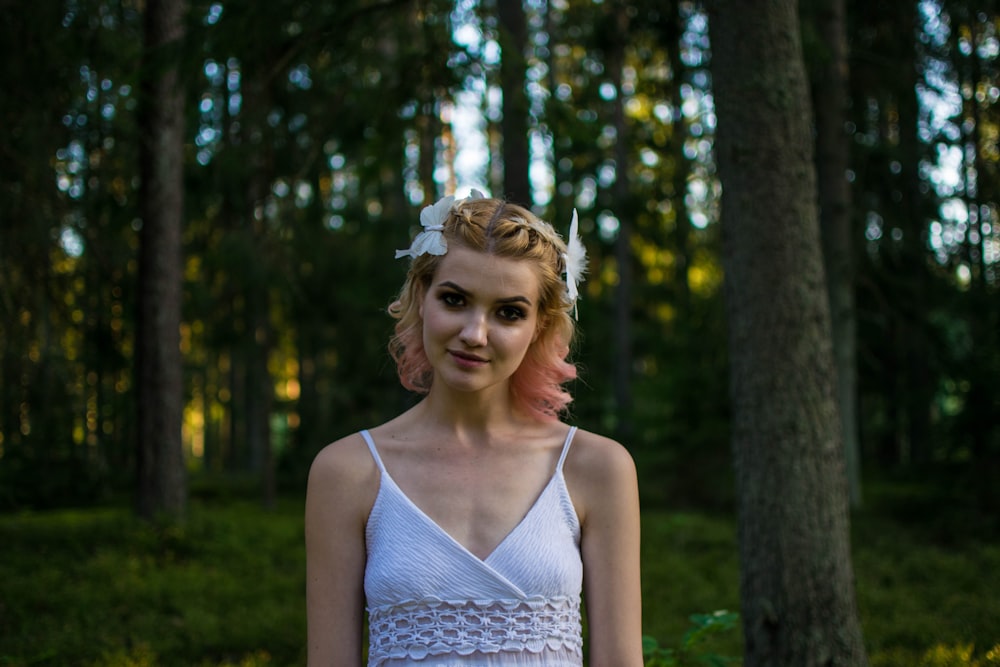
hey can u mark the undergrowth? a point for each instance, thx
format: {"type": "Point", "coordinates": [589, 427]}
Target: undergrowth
{"type": "Point", "coordinates": [99, 588]}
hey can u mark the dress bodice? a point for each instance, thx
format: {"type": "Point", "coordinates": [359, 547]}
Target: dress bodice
{"type": "Point", "coordinates": [432, 602]}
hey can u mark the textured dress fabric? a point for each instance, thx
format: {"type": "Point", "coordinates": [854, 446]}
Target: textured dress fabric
{"type": "Point", "coordinates": [433, 603]}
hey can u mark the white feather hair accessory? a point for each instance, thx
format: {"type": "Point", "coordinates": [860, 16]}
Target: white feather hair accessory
{"type": "Point", "coordinates": [576, 261]}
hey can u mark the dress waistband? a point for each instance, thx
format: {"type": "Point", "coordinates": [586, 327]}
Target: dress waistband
{"type": "Point", "coordinates": [417, 629]}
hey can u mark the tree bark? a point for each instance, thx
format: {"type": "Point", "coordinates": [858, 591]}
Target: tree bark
{"type": "Point", "coordinates": [797, 584]}
{"type": "Point", "coordinates": [623, 242]}
{"type": "Point", "coordinates": [830, 83]}
{"type": "Point", "coordinates": [914, 212]}
{"type": "Point", "coordinates": [259, 341]}
{"type": "Point", "coordinates": [514, 124]}
{"type": "Point", "coordinates": [681, 165]}
{"type": "Point", "coordinates": [161, 483]}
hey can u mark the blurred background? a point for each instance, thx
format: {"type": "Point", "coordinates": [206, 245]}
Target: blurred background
{"type": "Point", "coordinates": [312, 135]}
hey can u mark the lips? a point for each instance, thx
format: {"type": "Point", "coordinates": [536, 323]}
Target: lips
{"type": "Point", "coordinates": [466, 359]}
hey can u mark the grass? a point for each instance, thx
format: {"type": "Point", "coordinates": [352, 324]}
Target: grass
{"type": "Point", "coordinates": [690, 565]}
{"type": "Point", "coordinates": [98, 588]}
{"type": "Point", "coordinates": [927, 563]}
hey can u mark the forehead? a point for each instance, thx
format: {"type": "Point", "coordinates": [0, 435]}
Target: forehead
{"type": "Point", "coordinates": [487, 274]}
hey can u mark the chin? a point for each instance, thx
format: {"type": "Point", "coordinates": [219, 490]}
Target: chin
{"type": "Point", "coordinates": [462, 382]}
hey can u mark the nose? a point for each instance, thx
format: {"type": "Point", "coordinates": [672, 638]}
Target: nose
{"type": "Point", "coordinates": [473, 332]}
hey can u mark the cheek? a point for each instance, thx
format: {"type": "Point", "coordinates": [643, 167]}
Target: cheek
{"type": "Point", "coordinates": [434, 321]}
{"type": "Point", "coordinates": [519, 342]}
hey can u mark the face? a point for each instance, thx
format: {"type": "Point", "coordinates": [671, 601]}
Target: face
{"type": "Point", "coordinates": [480, 317]}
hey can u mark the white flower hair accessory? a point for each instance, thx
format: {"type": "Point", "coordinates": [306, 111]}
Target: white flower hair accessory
{"type": "Point", "coordinates": [431, 240]}
{"type": "Point", "coordinates": [575, 258]}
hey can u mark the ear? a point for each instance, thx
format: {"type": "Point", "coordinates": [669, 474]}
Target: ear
{"type": "Point", "coordinates": [540, 326]}
{"type": "Point", "coordinates": [421, 296]}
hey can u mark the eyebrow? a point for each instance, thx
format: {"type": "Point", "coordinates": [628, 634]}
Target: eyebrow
{"type": "Point", "coordinates": [461, 290]}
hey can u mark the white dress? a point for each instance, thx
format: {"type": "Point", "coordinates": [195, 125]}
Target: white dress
{"type": "Point", "coordinates": [433, 603]}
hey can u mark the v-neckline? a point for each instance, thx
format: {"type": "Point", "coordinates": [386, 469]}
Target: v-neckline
{"type": "Point", "coordinates": [451, 538]}
{"type": "Point", "coordinates": [440, 530]}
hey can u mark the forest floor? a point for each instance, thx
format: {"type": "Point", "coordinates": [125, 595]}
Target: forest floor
{"type": "Point", "coordinates": [98, 588]}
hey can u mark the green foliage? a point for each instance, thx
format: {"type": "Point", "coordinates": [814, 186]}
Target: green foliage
{"type": "Point", "coordinates": [689, 562]}
{"type": "Point", "coordinates": [98, 588]}
{"type": "Point", "coordinates": [939, 655]}
{"type": "Point", "coordinates": [923, 554]}
{"type": "Point", "coordinates": [690, 651]}
{"type": "Point", "coordinates": [143, 656]}
{"type": "Point", "coordinates": [316, 131]}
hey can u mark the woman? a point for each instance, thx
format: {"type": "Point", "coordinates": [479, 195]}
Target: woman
{"type": "Point", "coordinates": [469, 524]}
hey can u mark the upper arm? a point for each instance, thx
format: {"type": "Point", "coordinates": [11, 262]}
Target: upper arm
{"type": "Point", "coordinates": [343, 480]}
{"type": "Point", "coordinates": [605, 482]}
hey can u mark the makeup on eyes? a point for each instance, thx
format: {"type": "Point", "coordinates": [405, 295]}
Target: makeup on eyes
{"type": "Point", "coordinates": [511, 303]}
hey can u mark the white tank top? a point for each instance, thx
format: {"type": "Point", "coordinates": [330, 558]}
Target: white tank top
{"type": "Point", "coordinates": [433, 603]}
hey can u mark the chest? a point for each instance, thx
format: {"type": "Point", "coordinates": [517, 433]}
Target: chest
{"type": "Point", "coordinates": [477, 500]}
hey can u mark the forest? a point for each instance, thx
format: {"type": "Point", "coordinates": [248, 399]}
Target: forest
{"type": "Point", "coordinates": [199, 206]}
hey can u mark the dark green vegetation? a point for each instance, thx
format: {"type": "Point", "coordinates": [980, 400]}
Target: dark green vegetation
{"type": "Point", "coordinates": [314, 133]}
{"type": "Point", "coordinates": [99, 588]}
{"type": "Point", "coordinates": [94, 586]}
{"type": "Point", "coordinates": [311, 146]}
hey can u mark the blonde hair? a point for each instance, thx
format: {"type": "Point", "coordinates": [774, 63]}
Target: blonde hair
{"type": "Point", "coordinates": [496, 227]}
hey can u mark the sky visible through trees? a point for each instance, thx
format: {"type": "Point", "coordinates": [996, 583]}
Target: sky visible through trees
{"type": "Point", "coordinates": [314, 132]}
{"type": "Point", "coordinates": [353, 120]}
{"type": "Point", "coordinates": [477, 100]}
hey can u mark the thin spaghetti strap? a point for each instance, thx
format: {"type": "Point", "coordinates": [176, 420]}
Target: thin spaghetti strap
{"type": "Point", "coordinates": [371, 446]}
{"type": "Point", "coordinates": [565, 449]}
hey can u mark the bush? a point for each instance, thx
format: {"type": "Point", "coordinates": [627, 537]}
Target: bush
{"type": "Point", "coordinates": [691, 651]}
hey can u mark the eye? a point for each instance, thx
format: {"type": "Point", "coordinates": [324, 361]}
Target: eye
{"type": "Point", "coordinates": [452, 299]}
{"type": "Point", "coordinates": [511, 313]}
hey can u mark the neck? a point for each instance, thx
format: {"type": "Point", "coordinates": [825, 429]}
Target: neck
{"type": "Point", "coordinates": [471, 413]}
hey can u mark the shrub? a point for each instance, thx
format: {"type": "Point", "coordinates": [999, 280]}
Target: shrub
{"type": "Point", "coordinates": [691, 651]}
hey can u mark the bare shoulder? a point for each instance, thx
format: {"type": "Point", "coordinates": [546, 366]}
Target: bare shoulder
{"type": "Point", "coordinates": [344, 473]}
{"type": "Point", "coordinates": [597, 458]}
{"type": "Point", "coordinates": [344, 460]}
{"type": "Point", "coordinates": [597, 469]}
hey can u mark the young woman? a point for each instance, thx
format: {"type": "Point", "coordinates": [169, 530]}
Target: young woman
{"type": "Point", "coordinates": [469, 525]}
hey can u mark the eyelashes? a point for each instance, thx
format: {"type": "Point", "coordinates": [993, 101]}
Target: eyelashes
{"type": "Point", "coordinates": [452, 299]}
{"type": "Point", "coordinates": [508, 313]}
{"type": "Point", "coordinates": [512, 313]}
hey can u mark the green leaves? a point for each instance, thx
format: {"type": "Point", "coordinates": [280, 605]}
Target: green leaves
{"type": "Point", "coordinates": [690, 651]}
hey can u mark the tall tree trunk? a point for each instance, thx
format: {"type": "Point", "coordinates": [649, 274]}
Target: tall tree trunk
{"type": "Point", "coordinates": [797, 583]}
{"type": "Point", "coordinates": [916, 346]}
{"type": "Point", "coordinates": [981, 414]}
{"type": "Point", "coordinates": [681, 165]}
{"type": "Point", "coordinates": [830, 83]}
{"type": "Point", "coordinates": [623, 242]}
{"type": "Point", "coordinates": [161, 483]}
{"type": "Point", "coordinates": [260, 391]}
{"type": "Point", "coordinates": [429, 126]}
{"type": "Point", "coordinates": [259, 397]}
{"type": "Point", "coordinates": [514, 124]}
{"type": "Point", "coordinates": [562, 191]}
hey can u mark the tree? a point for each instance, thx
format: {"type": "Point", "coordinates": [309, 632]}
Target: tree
{"type": "Point", "coordinates": [623, 299]}
{"type": "Point", "coordinates": [829, 77]}
{"type": "Point", "coordinates": [513, 33]}
{"type": "Point", "coordinates": [797, 588]}
{"type": "Point", "coordinates": [161, 484]}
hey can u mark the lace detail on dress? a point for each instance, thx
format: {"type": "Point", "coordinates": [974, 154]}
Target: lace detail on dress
{"type": "Point", "coordinates": [417, 629]}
